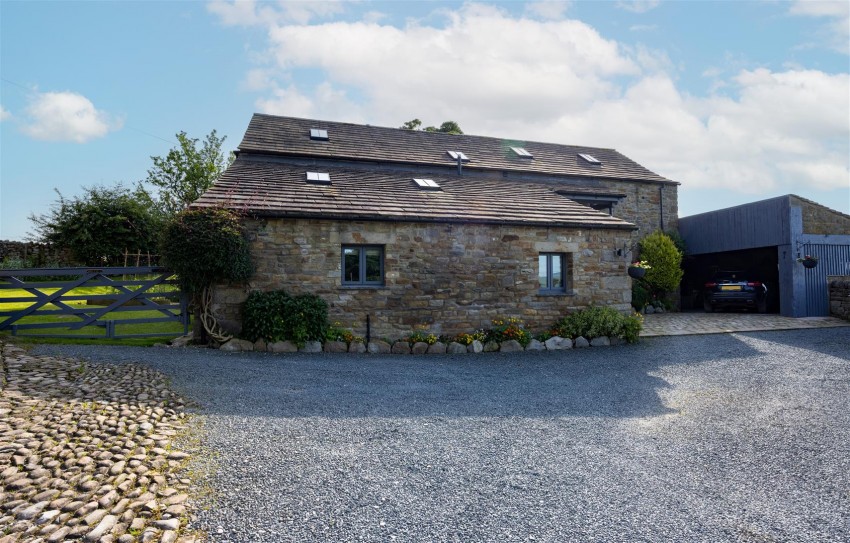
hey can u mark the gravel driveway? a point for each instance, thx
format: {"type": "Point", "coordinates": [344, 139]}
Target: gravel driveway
{"type": "Point", "coordinates": [738, 437]}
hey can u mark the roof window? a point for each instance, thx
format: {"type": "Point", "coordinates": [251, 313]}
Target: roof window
{"type": "Point", "coordinates": [318, 134]}
{"type": "Point", "coordinates": [318, 178]}
{"type": "Point", "coordinates": [427, 184]}
{"type": "Point", "coordinates": [522, 152]}
{"type": "Point", "coordinates": [458, 155]}
{"type": "Point", "coordinates": [590, 159]}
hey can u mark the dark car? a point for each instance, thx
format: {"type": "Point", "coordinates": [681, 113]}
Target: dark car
{"type": "Point", "coordinates": [734, 289]}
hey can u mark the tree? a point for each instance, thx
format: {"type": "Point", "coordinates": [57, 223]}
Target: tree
{"type": "Point", "coordinates": [186, 171]}
{"type": "Point", "coordinates": [100, 225]}
{"type": "Point", "coordinates": [203, 247]}
{"type": "Point", "coordinates": [448, 127]}
{"type": "Point", "coordinates": [666, 260]}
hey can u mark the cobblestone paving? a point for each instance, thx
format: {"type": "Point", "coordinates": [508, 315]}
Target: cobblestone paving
{"type": "Point", "coordinates": [86, 452]}
{"type": "Point", "coordinates": [683, 324]}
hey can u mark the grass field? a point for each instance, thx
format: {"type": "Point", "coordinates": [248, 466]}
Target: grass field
{"type": "Point", "coordinates": [168, 329]}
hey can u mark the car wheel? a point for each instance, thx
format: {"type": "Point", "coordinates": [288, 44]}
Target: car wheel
{"type": "Point", "coordinates": [762, 306]}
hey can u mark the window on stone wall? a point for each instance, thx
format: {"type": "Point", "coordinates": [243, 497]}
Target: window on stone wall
{"type": "Point", "coordinates": [553, 273]}
{"type": "Point", "coordinates": [362, 265]}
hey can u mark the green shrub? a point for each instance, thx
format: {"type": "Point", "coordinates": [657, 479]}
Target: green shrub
{"type": "Point", "coordinates": [666, 261]}
{"type": "Point", "coordinates": [421, 336]}
{"type": "Point", "coordinates": [205, 246]}
{"type": "Point", "coordinates": [632, 325]}
{"type": "Point", "coordinates": [305, 318]}
{"type": "Point", "coordinates": [262, 316]}
{"type": "Point", "coordinates": [678, 241]}
{"type": "Point", "coordinates": [599, 321]}
{"type": "Point", "coordinates": [507, 329]}
{"type": "Point", "coordinates": [467, 339]}
{"type": "Point", "coordinates": [275, 316]}
{"type": "Point", "coordinates": [336, 332]}
{"type": "Point", "coordinates": [640, 296]}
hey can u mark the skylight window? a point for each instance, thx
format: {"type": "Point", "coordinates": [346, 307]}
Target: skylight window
{"type": "Point", "coordinates": [318, 178]}
{"type": "Point", "coordinates": [457, 154]}
{"type": "Point", "coordinates": [426, 184]}
{"type": "Point", "coordinates": [590, 159]}
{"type": "Point", "coordinates": [522, 152]}
{"type": "Point", "coordinates": [318, 134]}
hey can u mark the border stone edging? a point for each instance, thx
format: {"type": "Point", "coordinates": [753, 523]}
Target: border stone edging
{"type": "Point", "coordinates": [555, 343]}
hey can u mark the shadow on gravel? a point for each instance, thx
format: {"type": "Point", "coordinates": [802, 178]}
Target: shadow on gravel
{"type": "Point", "coordinates": [829, 341]}
{"type": "Point", "coordinates": [614, 382]}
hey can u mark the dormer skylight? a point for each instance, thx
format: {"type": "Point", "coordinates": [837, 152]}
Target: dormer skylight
{"type": "Point", "coordinates": [522, 152]}
{"type": "Point", "coordinates": [318, 134]}
{"type": "Point", "coordinates": [590, 159]}
{"type": "Point", "coordinates": [427, 184]}
{"type": "Point", "coordinates": [318, 178]}
{"type": "Point", "coordinates": [457, 154]}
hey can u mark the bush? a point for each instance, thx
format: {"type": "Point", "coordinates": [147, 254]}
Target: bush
{"type": "Point", "coordinates": [467, 339]}
{"type": "Point", "coordinates": [275, 316]}
{"type": "Point", "coordinates": [305, 318]}
{"type": "Point", "coordinates": [262, 316]}
{"type": "Point", "coordinates": [666, 260]}
{"type": "Point", "coordinates": [98, 226]}
{"type": "Point", "coordinates": [592, 322]}
{"type": "Point", "coordinates": [600, 321]}
{"type": "Point", "coordinates": [632, 325]}
{"type": "Point", "coordinates": [205, 246]}
{"type": "Point", "coordinates": [507, 329]}
{"type": "Point", "coordinates": [640, 296]}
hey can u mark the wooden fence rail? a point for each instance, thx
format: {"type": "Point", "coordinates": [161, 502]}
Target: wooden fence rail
{"type": "Point", "coordinates": [122, 290]}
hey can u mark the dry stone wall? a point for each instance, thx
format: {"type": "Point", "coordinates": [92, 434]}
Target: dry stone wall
{"type": "Point", "coordinates": [839, 296]}
{"type": "Point", "coordinates": [36, 254]}
{"type": "Point", "coordinates": [450, 278]}
{"type": "Point", "coordinates": [821, 220]}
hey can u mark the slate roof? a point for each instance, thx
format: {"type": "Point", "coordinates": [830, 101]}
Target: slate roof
{"type": "Point", "coordinates": [281, 190]}
{"type": "Point", "coordinates": [289, 136]}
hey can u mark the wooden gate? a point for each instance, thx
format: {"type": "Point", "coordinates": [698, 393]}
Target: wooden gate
{"type": "Point", "coordinates": [82, 300]}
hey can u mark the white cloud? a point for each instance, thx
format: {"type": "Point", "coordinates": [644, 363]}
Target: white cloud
{"type": "Point", "coordinates": [66, 116]}
{"type": "Point", "coordinates": [638, 6]}
{"type": "Point", "coordinates": [838, 29]}
{"type": "Point", "coordinates": [4, 113]}
{"type": "Point", "coordinates": [548, 9]}
{"type": "Point", "coordinates": [561, 81]}
{"type": "Point", "coordinates": [251, 13]}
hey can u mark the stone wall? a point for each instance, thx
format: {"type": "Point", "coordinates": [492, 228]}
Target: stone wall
{"type": "Point", "coordinates": [818, 219]}
{"type": "Point", "coordinates": [36, 254]}
{"type": "Point", "coordinates": [450, 278]}
{"type": "Point", "coordinates": [839, 296]}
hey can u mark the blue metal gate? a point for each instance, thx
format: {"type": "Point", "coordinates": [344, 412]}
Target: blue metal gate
{"type": "Point", "coordinates": [832, 260]}
{"type": "Point", "coordinates": [88, 299]}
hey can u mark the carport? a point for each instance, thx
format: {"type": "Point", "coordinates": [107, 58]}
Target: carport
{"type": "Point", "coordinates": [765, 239]}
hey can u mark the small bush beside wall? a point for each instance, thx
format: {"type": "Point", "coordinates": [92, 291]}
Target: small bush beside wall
{"type": "Point", "coordinates": [600, 321]}
{"type": "Point", "coordinates": [276, 316]}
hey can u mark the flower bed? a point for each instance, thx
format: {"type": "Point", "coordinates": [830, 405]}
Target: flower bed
{"type": "Point", "coordinates": [593, 327]}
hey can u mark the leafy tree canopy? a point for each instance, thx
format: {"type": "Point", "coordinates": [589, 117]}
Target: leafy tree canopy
{"type": "Point", "coordinates": [101, 224]}
{"type": "Point", "coordinates": [187, 171]}
{"type": "Point", "coordinates": [448, 127]}
{"type": "Point", "coordinates": [206, 246]}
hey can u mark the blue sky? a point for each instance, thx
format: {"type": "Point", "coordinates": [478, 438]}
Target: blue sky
{"type": "Point", "coordinates": [738, 101]}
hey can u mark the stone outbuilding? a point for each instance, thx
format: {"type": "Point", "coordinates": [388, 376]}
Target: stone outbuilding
{"type": "Point", "coordinates": [444, 231]}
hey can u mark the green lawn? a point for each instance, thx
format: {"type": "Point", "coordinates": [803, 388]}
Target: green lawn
{"type": "Point", "coordinates": [169, 329]}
